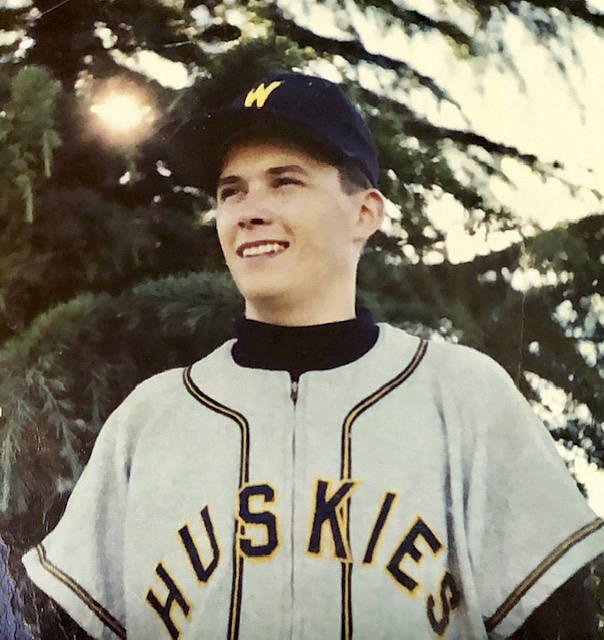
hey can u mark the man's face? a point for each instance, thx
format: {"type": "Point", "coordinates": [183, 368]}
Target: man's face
{"type": "Point", "coordinates": [286, 227]}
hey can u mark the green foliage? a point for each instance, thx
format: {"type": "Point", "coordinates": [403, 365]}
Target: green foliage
{"type": "Point", "coordinates": [81, 241]}
{"type": "Point", "coordinates": [28, 136]}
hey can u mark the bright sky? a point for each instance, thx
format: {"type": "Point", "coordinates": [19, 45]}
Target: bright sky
{"type": "Point", "coordinates": [589, 474]}
{"type": "Point", "coordinates": [15, 4]}
{"type": "Point", "coordinates": [546, 120]}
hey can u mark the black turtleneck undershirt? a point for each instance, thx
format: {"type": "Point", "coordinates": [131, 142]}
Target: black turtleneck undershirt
{"type": "Point", "coordinates": [300, 349]}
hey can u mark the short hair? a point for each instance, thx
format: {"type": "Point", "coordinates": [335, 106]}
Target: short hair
{"type": "Point", "coordinates": [352, 177]}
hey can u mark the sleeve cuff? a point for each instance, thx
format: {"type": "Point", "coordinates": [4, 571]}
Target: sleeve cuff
{"type": "Point", "coordinates": [69, 594]}
{"type": "Point", "coordinates": [549, 574]}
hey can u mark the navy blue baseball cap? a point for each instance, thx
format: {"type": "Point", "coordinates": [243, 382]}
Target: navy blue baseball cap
{"type": "Point", "coordinates": [291, 107]}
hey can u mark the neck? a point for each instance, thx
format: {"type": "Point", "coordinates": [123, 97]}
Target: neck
{"type": "Point", "coordinates": [302, 313]}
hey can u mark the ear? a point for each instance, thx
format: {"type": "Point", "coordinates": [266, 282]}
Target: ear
{"type": "Point", "coordinates": [370, 214]}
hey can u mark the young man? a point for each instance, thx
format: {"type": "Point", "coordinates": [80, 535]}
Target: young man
{"type": "Point", "coordinates": [321, 476]}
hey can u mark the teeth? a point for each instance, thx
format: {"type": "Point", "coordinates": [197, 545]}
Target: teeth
{"type": "Point", "coordinates": [269, 247]}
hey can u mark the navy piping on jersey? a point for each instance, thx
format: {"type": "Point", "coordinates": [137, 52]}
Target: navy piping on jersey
{"type": "Point", "coordinates": [244, 476]}
{"type": "Point", "coordinates": [101, 613]}
{"type": "Point", "coordinates": [346, 472]}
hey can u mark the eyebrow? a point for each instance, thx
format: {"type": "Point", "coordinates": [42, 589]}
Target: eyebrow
{"type": "Point", "coordinates": [228, 180]}
{"type": "Point", "coordinates": [288, 168]}
{"type": "Point", "coordinates": [273, 171]}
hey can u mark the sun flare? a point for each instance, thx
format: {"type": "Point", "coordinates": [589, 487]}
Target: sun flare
{"type": "Point", "coordinates": [121, 112]}
{"type": "Point", "coordinates": [122, 115]}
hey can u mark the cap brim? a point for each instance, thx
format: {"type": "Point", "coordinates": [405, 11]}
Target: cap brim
{"type": "Point", "coordinates": [220, 131]}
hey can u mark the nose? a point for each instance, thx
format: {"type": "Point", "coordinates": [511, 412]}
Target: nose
{"type": "Point", "coordinates": [253, 212]}
{"type": "Point", "coordinates": [249, 221]}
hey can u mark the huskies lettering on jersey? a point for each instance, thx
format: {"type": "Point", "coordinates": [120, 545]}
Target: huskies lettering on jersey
{"type": "Point", "coordinates": [175, 595]}
{"type": "Point", "coordinates": [265, 519]}
{"type": "Point", "coordinates": [378, 527]}
{"type": "Point", "coordinates": [329, 510]}
{"type": "Point", "coordinates": [449, 600]}
{"type": "Point", "coordinates": [407, 547]}
{"type": "Point", "coordinates": [203, 573]}
{"type": "Point", "coordinates": [258, 537]}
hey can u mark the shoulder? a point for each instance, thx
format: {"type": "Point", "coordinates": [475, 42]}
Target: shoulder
{"type": "Point", "coordinates": [472, 393]}
{"type": "Point", "coordinates": [165, 385]}
{"type": "Point", "coordinates": [160, 396]}
{"type": "Point", "coordinates": [464, 365]}
{"type": "Point", "coordinates": [449, 363]}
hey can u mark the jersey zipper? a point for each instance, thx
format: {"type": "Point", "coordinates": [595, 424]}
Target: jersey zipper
{"type": "Point", "coordinates": [294, 399]}
{"type": "Point", "coordinates": [294, 391]}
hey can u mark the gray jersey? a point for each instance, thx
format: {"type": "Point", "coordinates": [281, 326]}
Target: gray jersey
{"type": "Point", "coordinates": [412, 493]}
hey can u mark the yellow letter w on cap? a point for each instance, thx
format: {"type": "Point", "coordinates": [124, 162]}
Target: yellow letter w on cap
{"type": "Point", "coordinates": [260, 94]}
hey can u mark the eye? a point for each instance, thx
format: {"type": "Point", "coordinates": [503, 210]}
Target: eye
{"type": "Point", "coordinates": [227, 192]}
{"type": "Point", "coordinates": [285, 180]}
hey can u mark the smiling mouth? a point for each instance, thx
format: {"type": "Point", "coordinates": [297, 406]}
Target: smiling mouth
{"type": "Point", "coordinates": [262, 248]}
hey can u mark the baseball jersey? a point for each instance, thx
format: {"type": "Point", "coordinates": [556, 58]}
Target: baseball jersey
{"type": "Point", "coordinates": [411, 493]}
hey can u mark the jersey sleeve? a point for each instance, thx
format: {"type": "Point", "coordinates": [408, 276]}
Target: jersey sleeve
{"type": "Point", "coordinates": [529, 528]}
{"type": "Point", "coordinates": [79, 564]}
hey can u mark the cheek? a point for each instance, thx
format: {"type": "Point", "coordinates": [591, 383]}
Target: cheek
{"type": "Point", "coordinates": [225, 233]}
{"type": "Point", "coordinates": [336, 230]}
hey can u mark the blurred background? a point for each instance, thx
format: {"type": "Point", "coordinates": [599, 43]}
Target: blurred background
{"type": "Point", "coordinates": [488, 118]}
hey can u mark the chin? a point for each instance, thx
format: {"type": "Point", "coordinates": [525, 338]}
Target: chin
{"type": "Point", "coordinates": [262, 295]}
